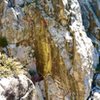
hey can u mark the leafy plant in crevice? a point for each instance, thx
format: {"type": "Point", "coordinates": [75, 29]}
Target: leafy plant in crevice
{"type": "Point", "coordinates": [3, 42]}
{"type": "Point", "coordinates": [9, 66]}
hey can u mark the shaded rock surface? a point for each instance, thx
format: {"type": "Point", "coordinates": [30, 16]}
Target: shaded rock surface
{"type": "Point", "coordinates": [91, 19]}
{"type": "Point", "coordinates": [95, 91]}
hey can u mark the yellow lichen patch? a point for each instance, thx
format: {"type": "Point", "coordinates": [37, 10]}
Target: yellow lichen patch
{"type": "Point", "coordinates": [77, 75]}
{"type": "Point", "coordinates": [42, 46]}
{"type": "Point", "coordinates": [58, 7]}
{"type": "Point", "coordinates": [59, 70]}
{"type": "Point", "coordinates": [59, 12]}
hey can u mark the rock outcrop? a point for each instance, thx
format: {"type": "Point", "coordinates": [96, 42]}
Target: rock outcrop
{"type": "Point", "coordinates": [48, 37]}
{"type": "Point", "coordinates": [14, 82]}
{"type": "Point", "coordinates": [91, 20]}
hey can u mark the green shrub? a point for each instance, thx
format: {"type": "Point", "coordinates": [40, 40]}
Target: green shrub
{"type": "Point", "coordinates": [3, 42]}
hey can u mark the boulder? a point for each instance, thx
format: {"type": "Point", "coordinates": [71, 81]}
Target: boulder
{"type": "Point", "coordinates": [14, 81]}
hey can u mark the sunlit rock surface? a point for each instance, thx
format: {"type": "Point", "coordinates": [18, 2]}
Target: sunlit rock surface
{"type": "Point", "coordinates": [18, 87]}
{"type": "Point", "coordinates": [22, 22]}
{"type": "Point", "coordinates": [14, 81]}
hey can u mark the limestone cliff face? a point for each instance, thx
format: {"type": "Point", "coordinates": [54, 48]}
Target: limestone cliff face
{"type": "Point", "coordinates": [91, 19]}
{"type": "Point", "coordinates": [54, 30]}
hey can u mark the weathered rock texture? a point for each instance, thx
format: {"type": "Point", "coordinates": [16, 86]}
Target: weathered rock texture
{"type": "Point", "coordinates": [64, 53]}
{"type": "Point", "coordinates": [91, 19]}
{"type": "Point", "coordinates": [19, 87]}
{"type": "Point", "coordinates": [90, 13]}
{"type": "Point", "coordinates": [14, 84]}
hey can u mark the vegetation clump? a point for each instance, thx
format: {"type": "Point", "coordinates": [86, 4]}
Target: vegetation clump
{"type": "Point", "coordinates": [9, 66]}
{"type": "Point", "coordinates": [3, 42]}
